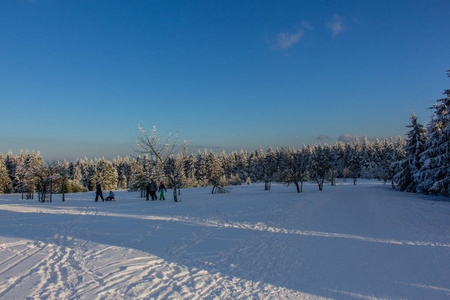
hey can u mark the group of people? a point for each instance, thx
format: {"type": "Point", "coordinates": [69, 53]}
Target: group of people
{"type": "Point", "coordinates": [99, 193]}
{"type": "Point", "coordinates": [152, 188]}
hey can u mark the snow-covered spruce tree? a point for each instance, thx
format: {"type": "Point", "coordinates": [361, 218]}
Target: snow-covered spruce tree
{"type": "Point", "coordinates": [87, 171]}
{"type": "Point", "coordinates": [15, 166]}
{"type": "Point", "coordinates": [242, 164]}
{"type": "Point", "coordinates": [387, 157]}
{"type": "Point", "coordinates": [415, 144]}
{"type": "Point", "coordinates": [288, 167]}
{"type": "Point", "coordinates": [214, 172]}
{"type": "Point", "coordinates": [34, 175]}
{"type": "Point", "coordinates": [338, 162]}
{"type": "Point", "coordinates": [398, 154]}
{"type": "Point", "coordinates": [11, 166]}
{"type": "Point", "coordinates": [201, 168]}
{"type": "Point", "coordinates": [189, 171]}
{"type": "Point", "coordinates": [139, 179]}
{"type": "Point", "coordinates": [256, 167]}
{"type": "Point", "coordinates": [367, 160]}
{"type": "Point", "coordinates": [434, 175]}
{"type": "Point", "coordinates": [234, 180]}
{"type": "Point", "coordinates": [270, 165]}
{"type": "Point", "coordinates": [320, 164]}
{"type": "Point", "coordinates": [122, 183]}
{"type": "Point", "coordinates": [5, 181]}
{"type": "Point", "coordinates": [106, 175]}
{"type": "Point", "coordinates": [354, 161]}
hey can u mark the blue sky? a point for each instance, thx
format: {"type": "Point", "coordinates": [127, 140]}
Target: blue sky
{"type": "Point", "coordinates": [77, 77]}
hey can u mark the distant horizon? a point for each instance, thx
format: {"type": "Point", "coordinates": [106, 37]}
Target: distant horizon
{"type": "Point", "coordinates": [109, 155]}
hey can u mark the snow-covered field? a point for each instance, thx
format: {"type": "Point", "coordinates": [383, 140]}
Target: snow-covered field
{"type": "Point", "coordinates": [363, 242]}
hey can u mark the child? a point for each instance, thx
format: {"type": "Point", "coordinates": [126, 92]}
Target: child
{"type": "Point", "coordinates": [162, 188]}
{"type": "Point", "coordinates": [110, 197]}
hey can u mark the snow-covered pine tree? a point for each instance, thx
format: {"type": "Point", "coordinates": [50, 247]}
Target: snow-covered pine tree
{"type": "Point", "coordinates": [415, 144]}
{"type": "Point", "coordinates": [303, 163]}
{"type": "Point", "coordinates": [257, 165]}
{"type": "Point", "coordinates": [320, 164]}
{"type": "Point", "coordinates": [5, 181]}
{"type": "Point", "coordinates": [354, 161]}
{"type": "Point", "coordinates": [367, 159]}
{"type": "Point", "coordinates": [37, 176]}
{"type": "Point", "coordinates": [270, 166]}
{"type": "Point", "coordinates": [288, 167]}
{"type": "Point", "coordinates": [189, 171]}
{"type": "Point", "coordinates": [434, 176]}
{"type": "Point", "coordinates": [214, 171]}
{"type": "Point", "coordinates": [339, 158]}
{"type": "Point", "coordinates": [383, 171]}
{"type": "Point", "coordinates": [201, 168]}
{"type": "Point", "coordinates": [242, 164]}
{"type": "Point", "coordinates": [11, 165]}
{"type": "Point", "coordinates": [106, 175]}
{"type": "Point", "coordinates": [139, 179]}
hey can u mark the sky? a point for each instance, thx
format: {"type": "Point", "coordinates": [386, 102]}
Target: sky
{"type": "Point", "coordinates": [77, 77]}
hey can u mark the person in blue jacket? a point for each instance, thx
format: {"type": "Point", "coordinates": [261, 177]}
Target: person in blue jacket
{"type": "Point", "coordinates": [111, 196]}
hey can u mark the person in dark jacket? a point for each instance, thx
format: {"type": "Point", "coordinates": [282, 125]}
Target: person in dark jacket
{"type": "Point", "coordinates": [148, 189]}
{"type": "Point", "coordinates": [152, 189]}
{"type": "Point", "coordinates": [99, 192]}
{"type": "Point", "coordinates": [162, 188]}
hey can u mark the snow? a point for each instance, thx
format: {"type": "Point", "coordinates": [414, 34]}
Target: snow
{"type": "Point", "coordinates": [345, 242]}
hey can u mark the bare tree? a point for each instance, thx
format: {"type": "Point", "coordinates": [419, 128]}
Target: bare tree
{"type": "Point", "coordinates": [163, 153]}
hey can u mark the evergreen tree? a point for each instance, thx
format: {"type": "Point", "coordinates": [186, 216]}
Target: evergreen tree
{"type": "Point", "coordinates": [11, 166]}
{"type": "Point", "coordinates": [214, 171]}
{"type": "Point", "coordinates": [354, 161]}
{"type": "Point", "coordinates": [270, 166]}
{"type": "Point", "coordinates": [410, 165]}
{"type": "Point", "coordinates": [5, 181]}
{"type": "Point", "coordinates": [106, 175]}
{"type": "Point", "coordinates": [367, 161]}
{"type": "Point", "coordinates": [434, 175]}
{"type": "Point", "coordinates": [387, 157]}
{"type": "Point", "coordinates": [320, 164]}
{"type": "Point", "coordinates": [201, 168]}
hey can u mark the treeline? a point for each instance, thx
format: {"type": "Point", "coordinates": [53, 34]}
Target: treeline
{"type": "Point", "coordinates": [28, 174]}
{"type": "Point", "coordinates": [420, 164]}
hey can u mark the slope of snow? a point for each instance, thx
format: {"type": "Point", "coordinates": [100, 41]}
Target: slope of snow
{"type": "Point", "coordinates": [346, 242]}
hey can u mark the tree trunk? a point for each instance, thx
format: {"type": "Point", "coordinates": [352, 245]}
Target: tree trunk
{"type": "Point", "coordinates": [320, 183]}
{"type": "Point", "coordinates": [297, 186]}
{"type": "Point", "coordinates": [354, 180]}
{"type": "Point", "coordinates": [175, 197]}
{"type": "Point", "coordinates": [63, 191]}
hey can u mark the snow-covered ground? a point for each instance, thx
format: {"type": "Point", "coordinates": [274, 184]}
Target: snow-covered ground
{"type": "Point", "coordinates": [363, 242]}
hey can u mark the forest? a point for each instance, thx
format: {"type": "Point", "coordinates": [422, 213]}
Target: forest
{"type": "Point", "coordinates": [420, 163]}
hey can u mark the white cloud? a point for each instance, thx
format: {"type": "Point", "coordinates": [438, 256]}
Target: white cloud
{"type": "Point", "coordinates": [285, 40]}
{"type": "Point", "coordinates": [336, 25]}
